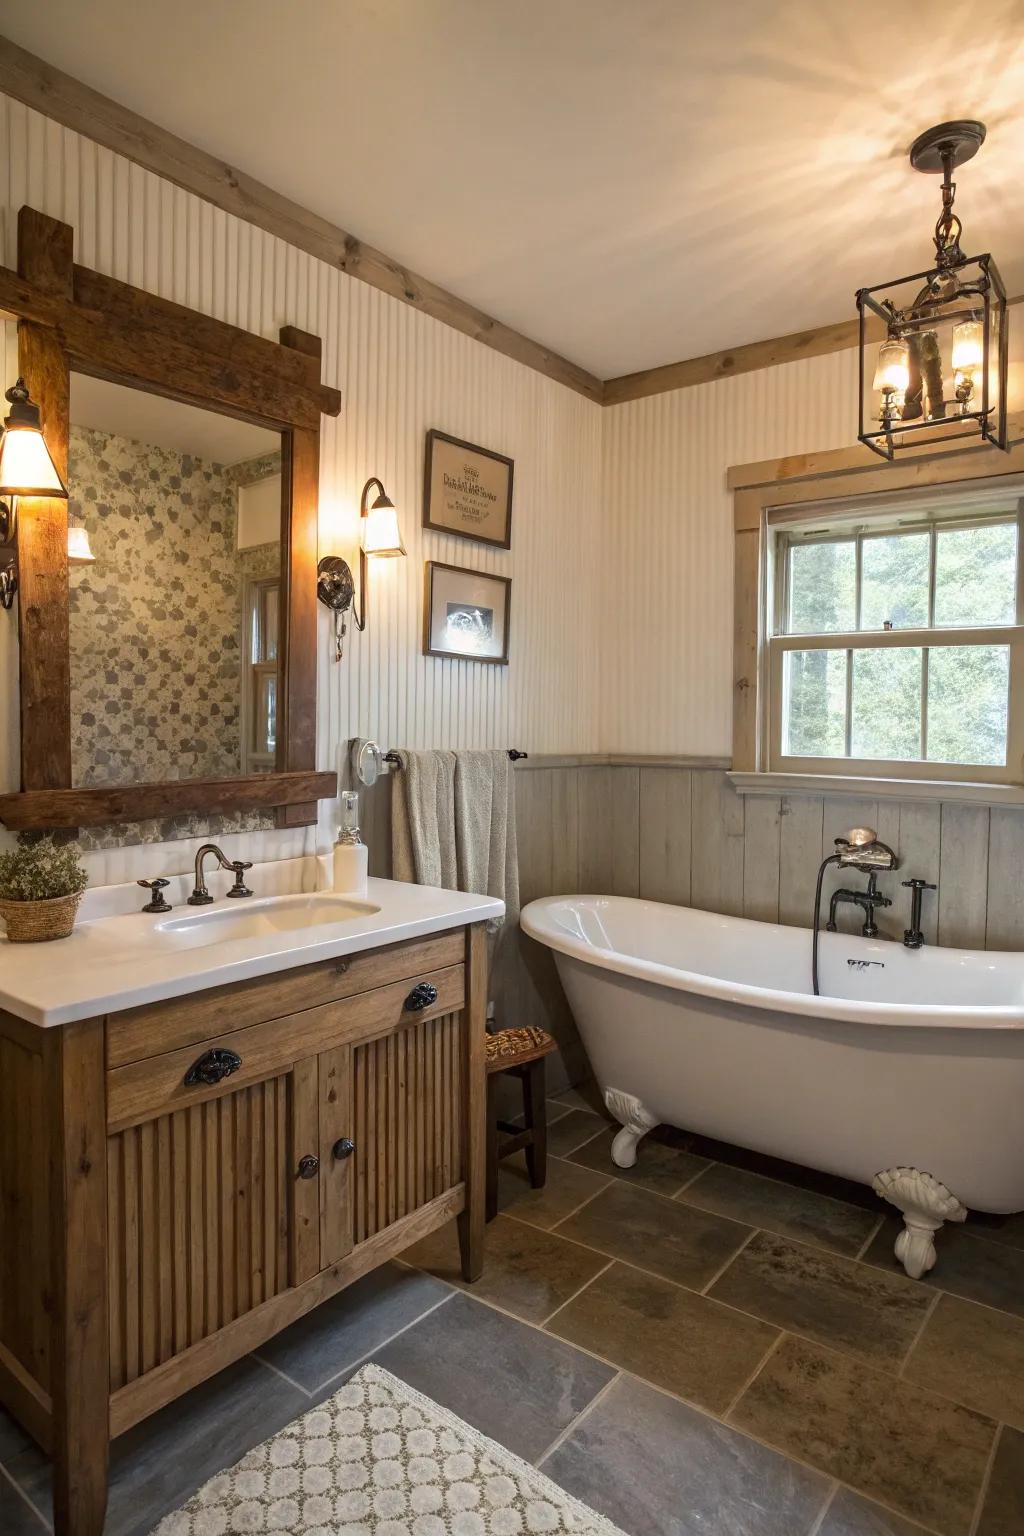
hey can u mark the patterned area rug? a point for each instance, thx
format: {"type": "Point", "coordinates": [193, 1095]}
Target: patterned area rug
{"type": "Point", "coordinates": [378, 1459]}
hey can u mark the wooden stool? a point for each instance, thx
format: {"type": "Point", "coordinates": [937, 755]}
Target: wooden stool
{"type": "Point", "coordinates": [521, 1053]}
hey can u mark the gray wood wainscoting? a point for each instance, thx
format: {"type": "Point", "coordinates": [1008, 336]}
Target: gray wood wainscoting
{"type": "Point", "coordinates": [682, 834]}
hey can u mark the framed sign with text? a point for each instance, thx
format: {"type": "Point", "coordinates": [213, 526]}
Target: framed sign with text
{"type": "Point", "coordinates": [467, 490]}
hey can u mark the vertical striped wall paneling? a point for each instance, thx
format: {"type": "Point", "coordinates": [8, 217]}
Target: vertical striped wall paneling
{"type": "Point", "coordinates": [400, 373]}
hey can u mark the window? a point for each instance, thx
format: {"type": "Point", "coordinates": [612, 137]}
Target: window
{"type": "Point", "coordinates": [896, 646]}
{"type": "Point", "coordinates": [262, 599]}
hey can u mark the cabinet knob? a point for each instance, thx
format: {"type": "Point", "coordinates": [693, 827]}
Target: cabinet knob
{"type": "Point", "coordinates": [212, 1068]}
{"type": "Point", "coordinates": [343, 1148]}
{"type": "Point", "coordinates": [423, 995]}
{"type": "Point", "coordinates": [309, 1166]}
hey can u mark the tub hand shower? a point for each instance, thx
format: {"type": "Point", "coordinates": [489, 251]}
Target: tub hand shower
{"type": "Point", "coordinates": [859, 849]}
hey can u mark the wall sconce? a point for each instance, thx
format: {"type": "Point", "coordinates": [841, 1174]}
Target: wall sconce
{"type": "Point", "coordinates": [26, 469]}
{"type": "Point", "coordinates": [380, 538]}
{"type": "Point", "coordinates": [79, 548]}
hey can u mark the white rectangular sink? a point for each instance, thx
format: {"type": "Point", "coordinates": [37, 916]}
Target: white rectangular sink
{"type": "Point", "coordinates": [258, 917]}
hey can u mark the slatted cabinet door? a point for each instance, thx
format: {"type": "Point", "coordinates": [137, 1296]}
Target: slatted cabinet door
{"type": "Point", "coordinates": [210, 1215]}
{"type": "Point", "coordinates": [407, 1118]}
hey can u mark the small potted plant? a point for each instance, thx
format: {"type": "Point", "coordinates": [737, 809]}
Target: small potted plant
{"type": "Point", "coordinates": [41, 884]}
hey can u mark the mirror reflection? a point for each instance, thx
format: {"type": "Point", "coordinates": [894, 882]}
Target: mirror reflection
{"type": "Point", "coordinates": [174, 544]}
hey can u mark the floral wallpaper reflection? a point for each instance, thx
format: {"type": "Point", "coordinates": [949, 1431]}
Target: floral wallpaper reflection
{"type": "Point", "coordinates": [156, 622]}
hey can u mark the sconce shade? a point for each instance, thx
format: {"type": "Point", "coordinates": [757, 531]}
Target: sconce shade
{"type": "Point", "coordinates": [79, 548]}
{"type": "Point", "coordinates": [381, 536]}
{"type": "Point", "coordinates": [26, 468]}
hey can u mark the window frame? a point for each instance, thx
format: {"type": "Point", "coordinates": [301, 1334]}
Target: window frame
{"type": "Point", "coordinates": [955, 506]}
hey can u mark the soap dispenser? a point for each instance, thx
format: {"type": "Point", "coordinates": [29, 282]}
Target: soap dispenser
{"type": "Point", "coordinates": [350, 852]}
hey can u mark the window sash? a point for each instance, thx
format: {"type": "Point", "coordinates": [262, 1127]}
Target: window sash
{"type": "Point", "coordinates": [882, 526]}
{"type": "Point", "coordinates": [1010, 636]}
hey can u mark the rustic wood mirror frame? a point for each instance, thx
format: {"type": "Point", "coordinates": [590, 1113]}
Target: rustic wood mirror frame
{"type": "Point", "coordinates": [70, 317]}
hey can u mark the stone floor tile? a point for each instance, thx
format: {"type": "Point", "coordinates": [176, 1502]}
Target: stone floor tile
{"type": "Point", "coordinates": [659, 1168]}
{"type": "Point", "coordinates": [671, 1337]}
{"type": "Point", "coordinates": [567, 1187]}
{"type": "Point", "coordinates": [17, 1518]}
{"type": "Point", "coordinates": [673, 1240]}
{"type": "Point", "coordinates": [659, 1468]}
{"type": "Point", "coordinates": [973, 1355]}
{"type": "Point", "coordinates": [527, 1271]}
{"type": "Point", "coordinates": [160, 1463]}
{"type": "Point", "coordinates": [1002, 1513]}
{"type": "Point", "coordinates": [851, 1515]}
{"type": "Point", "coordinates": [909, 1449]}
{"type": "Point", "coordinates": [853, 1307]}
{"type": "Point", "coordinates": [351, 1325]}
{"type": "Point", "coordinates": [968, 1265]}
{"type": "Point", "coordinates": [783, 1208]}
{"type": "Point", "coordinates": [514, 1383]}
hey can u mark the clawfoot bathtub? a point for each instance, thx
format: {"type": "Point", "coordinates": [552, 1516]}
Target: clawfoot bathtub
{"type": "Point", "coordinates": [907, 1073]}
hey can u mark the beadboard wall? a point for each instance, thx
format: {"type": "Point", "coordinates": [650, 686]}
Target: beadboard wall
{"type": "Point", "coordinates": [399, 373]}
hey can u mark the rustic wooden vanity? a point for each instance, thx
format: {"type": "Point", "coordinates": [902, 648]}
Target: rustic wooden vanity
{"type": "Point", "coordinates": [181, 1180]}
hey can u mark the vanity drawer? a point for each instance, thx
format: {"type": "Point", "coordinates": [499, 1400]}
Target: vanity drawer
{"type": "Point", "coordinates": [158, 1028]}
{"type": "Point", "coordinates": [157, 1085]}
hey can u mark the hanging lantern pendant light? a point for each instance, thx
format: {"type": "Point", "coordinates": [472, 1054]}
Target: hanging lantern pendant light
{"type": "Point", "coordinates": [940, 370]}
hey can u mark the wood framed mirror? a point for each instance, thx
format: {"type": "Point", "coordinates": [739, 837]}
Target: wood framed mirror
{"type": "Point", "coordinates": [165, 414]}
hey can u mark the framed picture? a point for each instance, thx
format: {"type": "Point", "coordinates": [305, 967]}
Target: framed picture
{"type": "Point", "coordinates": [465, 613]}
{"type": "Point", "coordinates": [467, 490]}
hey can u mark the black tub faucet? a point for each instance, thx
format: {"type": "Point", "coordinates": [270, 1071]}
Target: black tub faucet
{"type": "Point", "coordinates": [913, 938]}
{"type": "Point", "coordinates": [867, 900]}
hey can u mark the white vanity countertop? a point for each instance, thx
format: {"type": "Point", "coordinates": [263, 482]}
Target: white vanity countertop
{"type": "Point", "coordinates": [114, 962]}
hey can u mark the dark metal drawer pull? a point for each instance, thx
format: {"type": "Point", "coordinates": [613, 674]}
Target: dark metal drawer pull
{"type": "Point", "coordinates": [423, 994]}
{"type": "Point", "coordinates": [343, 1148]}
{"type": "Point", "coordinates": [212, 1068]}
{"type": "Point", "coordinates": [309, 1166]}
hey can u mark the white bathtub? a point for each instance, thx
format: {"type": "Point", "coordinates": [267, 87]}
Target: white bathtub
{"type": "Point", "coordinates": [908, 1073]}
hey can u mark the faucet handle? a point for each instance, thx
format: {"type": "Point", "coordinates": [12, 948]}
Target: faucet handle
{"type": "Point", "coordinates": [239, 866]}
{"type": "Point", "coordinates": [157, 902]}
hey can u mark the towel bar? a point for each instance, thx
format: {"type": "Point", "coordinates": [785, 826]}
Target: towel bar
{"type": "Point", "coordinates": [513, 752]}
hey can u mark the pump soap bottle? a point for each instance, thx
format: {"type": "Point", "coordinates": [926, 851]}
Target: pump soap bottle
{"type": "Point", "coordinates": [350, 852]}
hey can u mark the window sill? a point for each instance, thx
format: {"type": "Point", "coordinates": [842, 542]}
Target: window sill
{"type": "Point", "coordinates": [876, 789]}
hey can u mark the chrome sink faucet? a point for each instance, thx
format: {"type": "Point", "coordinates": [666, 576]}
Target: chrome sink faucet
{"type": "Point", "coordinates": [200, 896]}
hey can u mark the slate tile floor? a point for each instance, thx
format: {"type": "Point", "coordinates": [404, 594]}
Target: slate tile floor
{"type": "Point", "coordinates": [713, 1345]}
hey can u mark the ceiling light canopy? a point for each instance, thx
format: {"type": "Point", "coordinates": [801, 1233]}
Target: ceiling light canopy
{"type": "Point", "coordinates": [940, 371]}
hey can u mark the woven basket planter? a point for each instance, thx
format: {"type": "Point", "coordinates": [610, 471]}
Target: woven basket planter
{"type": "Point", "coordinates": [33, 922]}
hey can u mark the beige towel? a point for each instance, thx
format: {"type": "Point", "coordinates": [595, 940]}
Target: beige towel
{"type": "Point", "coordinates": [423, 848]}
{"type": "Point", "coordinates": [453, 823]}
{"type": "Point", "coordinates": [485, 827]}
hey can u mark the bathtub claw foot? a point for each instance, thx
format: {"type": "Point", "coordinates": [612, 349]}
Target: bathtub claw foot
{"type": "Point", "coordinates": [635, 1120]}
{"type": "Point", "coordinates": [925, 1204]}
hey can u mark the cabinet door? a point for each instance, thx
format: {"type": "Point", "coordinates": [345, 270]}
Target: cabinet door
{"type": "Point", "coordinates": [209, 1216]}
{"type": "Point", "coordinates": [407, 1114]}
{"type": "Point", "coordinates": [337, 1154]}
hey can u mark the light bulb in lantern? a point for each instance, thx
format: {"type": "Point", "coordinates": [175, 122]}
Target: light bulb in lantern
{"type": "Point", "coordinates": [968, 346]}
{"type": "Point", "coordinates": [892, 371]}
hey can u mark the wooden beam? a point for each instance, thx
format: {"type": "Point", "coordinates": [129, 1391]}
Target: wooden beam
{"type": "Point", "coordinates": [817, 342]}
{"type": "Point", "coordinates": [734, 360]}
{"type": "Point", "coordinates": [59, 96]}
{"type": "Point", "coordinates": [47, 808]}
{"type": "Point", "coordinates": [45, 261]}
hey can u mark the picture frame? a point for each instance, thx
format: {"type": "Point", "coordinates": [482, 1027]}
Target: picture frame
{"type": "Point", "coordinates": [467, 490]}
{"type": "Point", "coordinates": [466, 614]}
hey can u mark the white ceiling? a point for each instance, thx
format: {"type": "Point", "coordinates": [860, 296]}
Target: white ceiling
{"type": "Point", "coordinates": [630, 182]}
{"type": "Point", "coordinates": [146, 418]}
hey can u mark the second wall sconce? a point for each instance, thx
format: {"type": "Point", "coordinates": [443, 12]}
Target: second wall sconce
{"type": "Point", "coordinates": [26, 469]}
{"type": "Point", "coordinates": [380, 538]}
